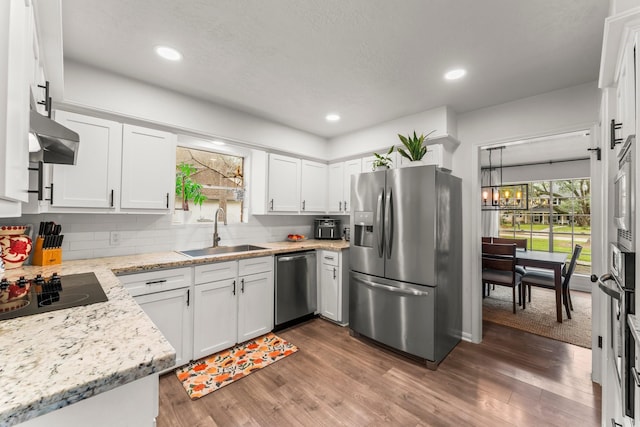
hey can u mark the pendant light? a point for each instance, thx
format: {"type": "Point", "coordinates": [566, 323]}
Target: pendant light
{"type": "Point", "coordinates": [500, 196]}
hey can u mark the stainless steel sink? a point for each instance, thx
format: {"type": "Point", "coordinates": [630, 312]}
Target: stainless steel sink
{"type": "Point", "coordinates": [220, 250]}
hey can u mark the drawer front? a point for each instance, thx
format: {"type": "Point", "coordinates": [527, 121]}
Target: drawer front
{"type": "Point", "coordinates": [330, 257]}
{"type": "Point", "coordinates": [216, 271]}
{"type": "Point", "coordinates": [256, 265]}
{"type": "Point", "coordinates": [156, 281]}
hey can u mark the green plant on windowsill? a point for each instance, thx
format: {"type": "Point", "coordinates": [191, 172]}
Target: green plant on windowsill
{"type": "Point", "coordinates": [415, 146]}
{"type": "Point", "coordinates": [186, 187]}
{"type": "Point", "coordinates": [383, 160]}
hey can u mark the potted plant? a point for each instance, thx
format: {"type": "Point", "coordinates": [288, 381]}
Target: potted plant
{"type": "Point", "coordinates": [414, 145]}
{"type": "Point", "coordinates": [383, 160]}
{"type": "Point", "coordinates": [186, 187]}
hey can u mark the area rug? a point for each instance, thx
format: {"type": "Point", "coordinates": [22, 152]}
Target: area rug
{"type": "Point", "coordinates": [218, 370]}
{"type": "Point", "coordinates": [540, 315]}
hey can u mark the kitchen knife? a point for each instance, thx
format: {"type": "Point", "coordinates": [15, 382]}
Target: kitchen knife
{"type": "Point", "coordinates": [57, 229]}
{"type": "Point", "coordinates": [41, 229]}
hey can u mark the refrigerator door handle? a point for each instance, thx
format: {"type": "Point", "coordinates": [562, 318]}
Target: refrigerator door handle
{"type": "Point", "coordinates": [380, 217]}
{"type": "Point", "coordinates": [392, 288]}
{"type": "Point", "coordinates": [388, 221]}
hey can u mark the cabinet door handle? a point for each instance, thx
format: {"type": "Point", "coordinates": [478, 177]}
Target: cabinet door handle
{"type": "Point", "coordinates": [614, 423]}
{"type": "Point", "coordinates": [153, 282]}
{"type": "Point", "coordinates": [303, 204]}
{"type": "Point", "coordinates": [188, 296]}
{"type": "Point", "coordinates": [242, 283]}
{"type": "Point", "coordinates": [329, 257]}
{"type": "Point", "coordinates": [334, 272]}
{"type": "Point", "coordinates": [167, 200]}
{"type": "Point", "coordinates": [112, 197]}
{"type": "Point", "coordinates": [271, 208]}
{"type": "Point", "coordinates": [614, 126]}
{"type": "Point", "coordinates": [51, 198]}
{"type": "Point", "coordinates": [345, 206]}
{"type": "Point", "coordinates": [340, 206]}
{"type": "Point", "coordinates": [234, 287]}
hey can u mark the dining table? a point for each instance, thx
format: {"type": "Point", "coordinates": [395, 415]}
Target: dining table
{"type": "Point", "coordinates": [550, 261]}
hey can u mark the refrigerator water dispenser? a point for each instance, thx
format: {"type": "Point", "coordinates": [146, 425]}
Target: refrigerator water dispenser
{"type": "Point", "coordinates": [363, 232]}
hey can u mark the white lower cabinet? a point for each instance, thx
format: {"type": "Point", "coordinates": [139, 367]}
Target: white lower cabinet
{"type": "Point", "coordinates": [131, 404]}
{"type": "Point", "coordinates": [171, 313]}
{"type": "Point", "coordinates": [334, 285]}
{"type": "Point", "coordinates": [166, 297]}
{"type": "Point", "coordinates": [215, 316]}
{"type": "Point", "coordinates": [233, 303]}
{"type": "Point", "coordinates": [255, 305]}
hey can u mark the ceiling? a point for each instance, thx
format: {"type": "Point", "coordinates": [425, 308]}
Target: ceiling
{"type": "Point", "coordinates": [370, 61]}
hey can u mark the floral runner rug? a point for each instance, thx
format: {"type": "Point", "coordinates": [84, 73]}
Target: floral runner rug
{"type": "Point", "coordinates": [220, 369]}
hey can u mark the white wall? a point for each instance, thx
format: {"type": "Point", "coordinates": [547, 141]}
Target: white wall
{"type": "Point", "coordinates": [379, 138]}
{"type": "Point", "coordinates": [565, 110]}
{"type": "Point", "coordinates": [95, 89]}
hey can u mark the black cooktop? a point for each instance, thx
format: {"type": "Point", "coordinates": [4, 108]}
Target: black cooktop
{"type": "Point", "coordinates": [55, 293]}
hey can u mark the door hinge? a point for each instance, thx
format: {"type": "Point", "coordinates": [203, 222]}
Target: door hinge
{"type": "Point", "coordinates": [599, 341]}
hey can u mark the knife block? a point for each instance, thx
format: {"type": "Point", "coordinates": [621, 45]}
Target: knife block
{"type": "Point", "coordinates": [41, 256]}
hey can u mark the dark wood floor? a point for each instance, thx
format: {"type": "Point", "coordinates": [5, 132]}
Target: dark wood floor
{"type": "Point", "coordinates": [512, 378]}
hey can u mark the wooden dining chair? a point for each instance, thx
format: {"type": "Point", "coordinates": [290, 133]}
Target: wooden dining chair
{"type": "Point", "coordinates": [546, 279]}
{"type": "Point", "coordinates": [498, 268]}
{"type": "Point", "coordinates": [520, 244]}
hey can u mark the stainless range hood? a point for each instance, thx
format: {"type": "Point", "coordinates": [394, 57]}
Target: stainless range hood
{"type": "Point", "coordinates": [57, 144]}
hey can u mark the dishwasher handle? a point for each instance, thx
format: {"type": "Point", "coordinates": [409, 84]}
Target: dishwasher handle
{"type": "Point", "coordinates": [291, 258]}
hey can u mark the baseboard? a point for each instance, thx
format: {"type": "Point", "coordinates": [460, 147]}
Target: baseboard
{"type": "Point", "coordinates": [466, 336]}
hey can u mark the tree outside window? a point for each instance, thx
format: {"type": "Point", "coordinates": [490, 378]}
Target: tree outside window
{"type": "Point", "coordinates": [219, 180]}
{"type": "Point", "coordinates": [559, 217]}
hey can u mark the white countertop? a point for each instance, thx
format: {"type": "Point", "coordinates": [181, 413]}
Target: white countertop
{"type": "Point", "coordinates": [51, 360]}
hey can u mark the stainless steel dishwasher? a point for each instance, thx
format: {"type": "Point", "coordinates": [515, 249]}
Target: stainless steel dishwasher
{"type": "Point", "coordinates": [296, 287]}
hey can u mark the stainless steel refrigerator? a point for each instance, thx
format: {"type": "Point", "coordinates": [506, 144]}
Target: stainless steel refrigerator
{"type": "Point", "coordinates": [406, 260]}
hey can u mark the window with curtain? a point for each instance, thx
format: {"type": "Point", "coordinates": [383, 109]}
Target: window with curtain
{"type": "Point", "coordinates": [559, 217]}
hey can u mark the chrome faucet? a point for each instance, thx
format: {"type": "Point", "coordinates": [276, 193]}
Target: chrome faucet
{"type": "Point", "coordinates": [216, 237]}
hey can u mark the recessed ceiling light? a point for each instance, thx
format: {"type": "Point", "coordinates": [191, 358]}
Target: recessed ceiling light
{"type": "Point", "coordinates": [332, 117]}
{"type": "Point", "coordinates": [168, 53]}
{"type": "Point", "coordinates": [456, 74]}
{"type": "Point", "coordinates": [217, 142]}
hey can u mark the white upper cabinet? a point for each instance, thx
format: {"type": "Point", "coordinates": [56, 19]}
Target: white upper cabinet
{"type": "Point", "coordinates": [93, 182]}
{"type": "Point", "coordinates": [284, 184]}
{"type": "Point", "coordinates": [351, 167]}
{"type": "Point", "coordinates": [16, 41]}
{"type": "Point", "coordinates": [340, 185]}
{"type": "Point", "coordinates": [119, 168]}
{"type": "Point", "coordinates": [313, 187]}
{"type": "Point", "coordinates": [336, 187]}
{"type": "Point", "coordinates": [148, 168]}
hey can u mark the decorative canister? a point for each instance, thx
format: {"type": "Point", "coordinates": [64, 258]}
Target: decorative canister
{"type": "Point", "coordinates": [15, 244]}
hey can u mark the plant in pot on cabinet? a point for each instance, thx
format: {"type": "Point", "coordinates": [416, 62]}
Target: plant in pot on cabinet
{"type": "Point", "coordinates": [383, 161]}
{"type": "Point", "coordinates": [414, 146]}
{"type": "Point", "coordinates": [187, 188]}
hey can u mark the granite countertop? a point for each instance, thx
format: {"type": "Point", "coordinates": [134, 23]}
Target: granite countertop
{"type": "Point", "coordinates": [54, 359]}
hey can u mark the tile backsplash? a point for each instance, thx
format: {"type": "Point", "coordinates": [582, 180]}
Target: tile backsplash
{"type": "Point", "coordinates": [90, 235]}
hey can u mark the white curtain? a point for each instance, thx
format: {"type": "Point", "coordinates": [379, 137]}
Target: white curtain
{"type": "Point", "coordinates": [490, 220]}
